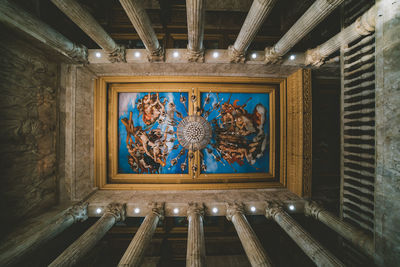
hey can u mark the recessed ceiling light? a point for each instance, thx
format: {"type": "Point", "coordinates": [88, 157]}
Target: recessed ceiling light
{"type": "Point", "coordinates": [215, 54]}
{"type": "Point", "coordinates": [254, 55]}
{"type": "Point", "coordinates": [98, 54]}
{"type": "Point", "coordinates": [176, 210]}
{"type": "Point", "coordinates": [253, 209]}
{"type": "Point", "coordinates": [175, 54]}
{"type": "Point", "coordinates": [98, 210]}
{"type": "Point", "coordinates": [136, 210]}
{"type": "Point", "coordinates": [137, 54]}
{"type": "Point", "coordinates": [214, 210]}
{"type": "Point", "coordinates": [291, 207]}
{"type": "Point", "coordinates": [292, 57]}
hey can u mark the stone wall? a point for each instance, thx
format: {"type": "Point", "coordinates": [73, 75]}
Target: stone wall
{"type": "Point", "coordinates": [387, 186]}
{"type": "Point", "coordinates": [28, 130]}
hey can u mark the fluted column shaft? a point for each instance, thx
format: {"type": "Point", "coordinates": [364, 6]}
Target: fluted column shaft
{"type": "Point", "coordinates": [314, 250]}
{"type": "Point", "coordinates": [134, 253]}
{"type": "Point", "coordinates": [311, 18]}
{"type": "Point", "coordinates": [70, 256]}
{"type": "Point", "coordinates": [16, 17]}
{"type": "Point", "coordinates": [195, 10]}
{"type": "Point", "coordinates": [252, 246]}
{"type": "Point", "coordinates": [78, 14]}
{"type": "Point", "coordinates": [20, 245]}
{"type": "Point", "coordinates": [258, 12]}
{"type": "Point", "coordinates": [140, 20]}
{"type": "Point", "coordinates": [364, 25]}
{"type": "Point", "coordinates": [196, 252]}
{"type": "Point", "coordinates": [347, 231]}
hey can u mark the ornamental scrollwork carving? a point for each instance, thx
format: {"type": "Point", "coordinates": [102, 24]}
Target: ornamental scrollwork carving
{"type": "Point", "coordinates": [236, 56]}
{"type": "Point", "coordinates": [118, 55]}
{"type": "Point", "coordinates": [271, 56]}
{"type": "Point", "coordinates": [117, 210]}
{"type": "Point", "coordinates": [79, 212]}
{"type": "Point", "coordinates": [157, 208]}
{"type": "Point", "coordinates": [156, 55]}
{"type": "Point", "coordinates": [312, 209]}
{"type": "Point", "coordinates": [234, 208]}
{"type": "Point", "coordinates": [195, 208]}
{"type": "Point", "coordinates": [272, 209]}
{"type": "Point", "coordinates": [195, 55]}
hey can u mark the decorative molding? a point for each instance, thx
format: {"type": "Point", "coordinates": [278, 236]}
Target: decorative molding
{"type": "Point", "coordinates": [118, 55]}
{"type": "Point", "coordinates": [271, 56]}
{"type": "Point", "coordinates": [195, 56]}
{"type": "Point", "coordinates": [79, 53]}
{"type": "Point", "coordinates": [117, 210]}
{"type": "Point", "coordinates": [307, 132]}
{"type": "Point", "coordinates": [156, 55]}
{"type": "Point", "coordinates": [234, 208]}
{"type": "Point", "coordinates": [236, 56]}
{"type": "Point", "coordinates": [79, 212]}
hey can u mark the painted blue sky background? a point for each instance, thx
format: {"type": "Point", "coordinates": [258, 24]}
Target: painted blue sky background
{"type": "Point", "coordinates": [262, 163]}
{"type": "Point", "coordinates": [126, 104]}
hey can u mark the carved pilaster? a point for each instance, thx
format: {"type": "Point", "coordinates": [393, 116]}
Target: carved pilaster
{"type": "Point", "coordinates": [364, 25]}
{"type": "Point", "coordinates": [113, 213]}
{"type": "Point", "coordinates": [195, 10]}
{"type": "Point", "coordinates": [195, 255]}
{"type": "Point", "coordinates": [252, 246]}
{"type": "Point", "coordinates": [349, 232]}
{"type": "Point", "coordinates": [258, 12]}
{"type": "Point", "coordinates": [16, 17]}
{"type": "Point", "coordinates": [271, 56]}
{"type": "Point", "coordinates": [134, 253]}
{"type": "Point", "coordinates": [236, 56]}
{"type": "Point", "coordinates": [156, 55]}
{"type": "Point", "coordinates": [141, 22]}
{"type": "Point", "coordinates": [314, 250]}
{"type": "Point", "coordinates": [308, 21]}
{"type": "Point", "coordinates": [79, 212]}
{"type": "Point", "coordinates": [81, 17]}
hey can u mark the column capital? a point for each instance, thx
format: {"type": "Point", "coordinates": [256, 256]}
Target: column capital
{"type": "Point", "coordinates": [79, 53]}
{"type": "Point", "coordinates": [118, 55]}
{"type": "Point", "coordinates": [156, 55]}
{"type": "Point", "coordinates": [314, 57]}
{"type": "Point", "coordinates": [312, 209]}
{"type": "Point", "coordinates": [271, 56]}
{"type": "Point", "coordinates": [157, 208]}
{"type": "Point", "coordinates": [78, 211]}
{"type": "Point", "coordinates": [272, 209]}
{"type": "Point", "coordinates": [117, 210]}
{"type": "Point", "coordinates": [234, 208]}
{"type": "Point", "coordinates": [195, 56]}
{"type": "Point", "coordinates": [365, 24]}
{"type": "Point", "coordinates": [195, 208]}
{"type": "Point", "coordinates": [236, 56]}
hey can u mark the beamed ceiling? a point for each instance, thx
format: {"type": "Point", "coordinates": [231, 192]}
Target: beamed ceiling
{"type": "Point", "coordinates": [223, 21]}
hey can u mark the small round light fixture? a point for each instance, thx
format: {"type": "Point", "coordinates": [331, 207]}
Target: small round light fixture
{"type": "Point", "coordinates": [176, 210]}
{"type": "Point", "coordinates": [292, 57]}
{"type": "Point", "coordinates": [137, 54]}
{"type": "Point", "coordinates": [136, 210]}
{"type": "Point", "coordinates": [254, 55]}
{"type": "Point", "coordinates": [291, 207]}
{"type": "Point", "coordinates": [253, 209]}
{"type": "Point", "coordinates": [98, 210]}
{"type": "Point", "coordinates": [98, 54]}
{"type": "Point", "coordinates": [214, 210]}
{"type": "Point", "coordinates": [215, 54]}
{"type": "Point", "coordinates": [175, 54]}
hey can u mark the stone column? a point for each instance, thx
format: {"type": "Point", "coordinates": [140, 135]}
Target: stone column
{"type": "Point", "coordinates": [140, 20]}
{"type": "Point", "coordinates": [364, 25]}
{"type": "Point", "coordinates": [133, 255]}
{"type": "Point", "coordinates": [252, 246]}
{"type": "Point", "coordinates": [196, 250]}
{"type": "Point", "coordinates": [114, 212]}
{"type": "Point", "coordinates": [16, 17]}
{"type": "Point", "coordinates": [19, 246]}
{"type": "Point", "coordinates": [311, 18]}
{"type": "Point", "coordinates": [346, 230]}
{"type": "Point", "coordinates": [314, 250]}
{"type": "Point", "coordinates": [195, 10]}
{"type": "Point", "coordinates": [78, 14]}
{"type": "Point", "coordinates": [258, 12]}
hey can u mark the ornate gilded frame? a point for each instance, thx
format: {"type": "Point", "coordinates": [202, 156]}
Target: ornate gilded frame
{"type": "Point", "coordinates": [107, 178]}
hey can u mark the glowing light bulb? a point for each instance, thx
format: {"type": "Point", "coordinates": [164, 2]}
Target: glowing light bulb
{"type": "Point", "coordinates": [136, 210]}
{"type": "Point", "coordinates": [253, 209]}
{"type": "Point", "coordinates": [176, 210]}
{"type": "Point", "coordinates": [291, 207]}
{"type": "Point", "coordinates": [137, 54]}
{"type": "Point", "coordinates": [175, 54]}
{"type": "Point", "coordinates": [292, 57]}
{"type": "Point", "coordinates": [215, 54]}
{"type": "Point", "coordinates": [98, 210]}
{"type": "Point", "coordinates": [254, 55]}
{"type": "Point", "coordinates": [214, 210]}
{"type": "Point", "coordinates": [98, 54]}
